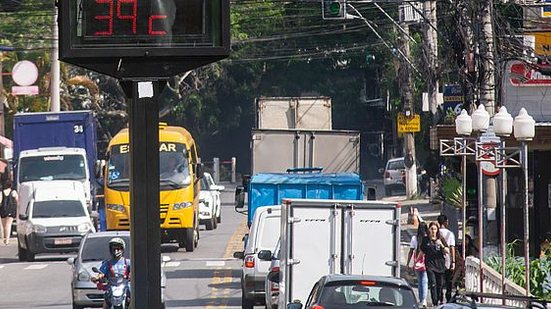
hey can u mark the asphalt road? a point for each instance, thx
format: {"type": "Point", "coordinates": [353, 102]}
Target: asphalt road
{"type": "Point", "coordinates": [209, 277]}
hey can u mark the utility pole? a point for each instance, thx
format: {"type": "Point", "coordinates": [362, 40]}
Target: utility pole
{"type": "Point", "coordinates": [54, 69]}
{"type": "Point", "coordinates": [406, 97]}
{"type": "Point", "coordinates": [431, 52]}
{"type": "Point", "coordinates": [488, 99]}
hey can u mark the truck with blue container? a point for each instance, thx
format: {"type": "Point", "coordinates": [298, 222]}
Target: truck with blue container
{"type": "Point", "coordinates": [52, 146]}
{"type": "Point", "coordinates": [266, 189]}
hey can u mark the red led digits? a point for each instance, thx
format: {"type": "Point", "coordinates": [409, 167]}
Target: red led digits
{"type": "Point", "coordinates": [108, 18]}
{"type": "Point", "coordinates": [132, 16]}
{"type": "Point", "coordinates": [151, 19]}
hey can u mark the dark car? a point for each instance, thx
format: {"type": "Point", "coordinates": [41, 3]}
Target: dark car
{"type": "Point", "coordinates": [94, 248]}
{"type": "Point", "coordinates": [359, 291]}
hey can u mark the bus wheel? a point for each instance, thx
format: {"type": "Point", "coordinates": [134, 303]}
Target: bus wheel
{"type": "Point", "coordinates": [189, 239]}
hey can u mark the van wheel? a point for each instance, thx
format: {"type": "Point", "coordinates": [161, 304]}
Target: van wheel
{"type": "Point", "coordinates": [219, 218]}
{"type": "Point", "coordinates": [30, 256]}
{"type": "Point", "coordinates": [214, 223]}
{"type": "Point", "coordinates": [21, 253]}
{"type": "Point", "coordinates": [210, 224]}
{"type": "Point", "coordinates": [189, 239]}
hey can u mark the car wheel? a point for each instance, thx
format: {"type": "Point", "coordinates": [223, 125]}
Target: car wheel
{"type": "Point", "coordinates": [30, 256]}
{"type": "Point", "coordinates": [245, 302]}
{"type": "Point", "coordinates": [388, 191]}
{"type": "Point", "coordinates": [21, 253]}
{"type": "Point", "coordinates": [77, 307]}
{"type": "Point", "coordinates": [189, 239]}
{"type": "Point", "coordinates": [210, 224]}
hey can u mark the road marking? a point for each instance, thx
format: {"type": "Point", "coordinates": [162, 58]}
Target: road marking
{"type": "Point", "coordinates": [215, 263]}
{"type": "Point", "coordinates": [172, 264]}
{"type": "Point", "coordinates": [236, 241]}
{"type": "Point", "coordinates": [36, 266]}
{"type": "Point", "coordinates": [1, 266]}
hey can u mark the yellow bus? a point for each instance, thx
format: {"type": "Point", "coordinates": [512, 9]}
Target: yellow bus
{"type": "Point", "coordinates": [179, 185]}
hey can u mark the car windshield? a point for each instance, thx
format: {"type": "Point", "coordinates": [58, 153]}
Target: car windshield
{"type": "Point", "coordinates": [54, 167]}
{"type": "Point", "coordinates": [396, 165]}
{"type": "Point", "coordinates": [58, 208]}
{"type": "Point", "coordinates": [204, 184]}
{"type": "Point", "coordinates": [97, 248]}
{"type": "Point", "coordinates": [173, 167]}
{"type": "Point", "coordinates": [366, 294]}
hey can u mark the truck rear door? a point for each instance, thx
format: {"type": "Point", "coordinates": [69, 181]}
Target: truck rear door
{"type": "Point", "coordinates": [371, 243]}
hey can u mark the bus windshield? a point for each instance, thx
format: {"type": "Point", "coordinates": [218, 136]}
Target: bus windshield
{"type": "Point", "coordinates": [173, 167]}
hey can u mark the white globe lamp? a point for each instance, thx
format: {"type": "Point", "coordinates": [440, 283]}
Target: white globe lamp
{"type": "Point", "coordinates": [503, 122]}
{"type": "Point", "coordinates": [481, 119]}
{"type": "Point", "coordinates": [524, 126]}
{"type": "Point", "coordinates": [463, 124]}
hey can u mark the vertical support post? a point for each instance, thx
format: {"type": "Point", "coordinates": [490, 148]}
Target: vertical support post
{"type": "Point", "coordinates": [503, 226]}
{"type": "Point", "coordinates": [2, 102]}
{"type": "Point", "coordinates": [481, 225]}
{"type": "Point", "coordinates": [464, 207]}
{"type": "Point", "coordinates": [526, 214]}
{"type": "Point", "coordinates": [54, 70]}
{"type": "Point", "coordinates": [216, 169]}
{"type": "Point", "coordinates": [144, 194]}
{"type": "Point", "coordinates": [233, 166]}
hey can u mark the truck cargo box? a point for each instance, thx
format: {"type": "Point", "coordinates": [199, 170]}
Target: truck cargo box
{"type": "Point", "coordinates": [270, 188]}
{"type": "Point", "coordinates": [310, 113]}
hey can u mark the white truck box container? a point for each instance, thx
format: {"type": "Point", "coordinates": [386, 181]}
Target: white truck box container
{"type": "Point", "coordinates": [320, 237]}
{"type": "Point", "coordinates": [310, 113]}
{"type": "Point", "coordinates": [275, 151]}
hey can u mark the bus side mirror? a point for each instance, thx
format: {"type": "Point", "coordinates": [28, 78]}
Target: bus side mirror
{"type": "Point", "coordinates": [199, 170]}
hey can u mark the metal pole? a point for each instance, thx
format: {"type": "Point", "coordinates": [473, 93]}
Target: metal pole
{"type": "Point", "coordinates": [526, 217]}
{"type": "Point", "coordinates": [480, 225]}
{"type": "Point", "coordinates": [233, 164]}
{"type": "Point", "coordinates": [503, 226]}
{"type": "Point", "coordinates": [464, 206]}
{"type": "Point", "coordinates": [54, 75]}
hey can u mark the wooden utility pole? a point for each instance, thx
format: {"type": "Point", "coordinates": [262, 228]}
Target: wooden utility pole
{"type": "Point", "coordinates": [406, 97]}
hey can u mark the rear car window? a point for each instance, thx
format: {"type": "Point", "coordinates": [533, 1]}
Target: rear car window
{"type": "Point", "coordinates": [269, 233]}
{"type": "Point", "coordinates": [97, 248]}
{"type": "Point", "coordinates": [396, 165]}
{"type": "Point", "coordinates": [366, 294]}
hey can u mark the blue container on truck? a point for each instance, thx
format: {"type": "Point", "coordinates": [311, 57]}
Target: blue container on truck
{"type": "Point", "coordinates": [56, 129]}
{"type": "Point", "coordinates": [270, 188]}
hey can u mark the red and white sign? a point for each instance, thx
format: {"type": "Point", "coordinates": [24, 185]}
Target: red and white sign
{"type": "Point", "coordinates": [24, 90]}
{"type": "Point", "coordinates": [488, 167]}
{"type": "Point", "coordinates": [523, 75]}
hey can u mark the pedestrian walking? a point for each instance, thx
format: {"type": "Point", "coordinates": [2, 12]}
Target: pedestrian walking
{"type": "Point", "coordinates": [8, 209]}
{"type": "Point", "coordinates": [434, 248]}
{"type": "Point", "coordinates": [449, 237]}
{"type": "Point", "coordinates": [419, 263]}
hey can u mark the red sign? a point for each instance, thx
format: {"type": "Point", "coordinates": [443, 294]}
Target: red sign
{"type": "Point", "coordinates": [24, 90]}
{"type": "Point", "coordinates": [522, 75]}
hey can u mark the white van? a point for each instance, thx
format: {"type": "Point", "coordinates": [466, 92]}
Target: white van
{"type": "Point", "coordinates": [52, 217]}
{"type": "Point", "coordinates": [257, 256]}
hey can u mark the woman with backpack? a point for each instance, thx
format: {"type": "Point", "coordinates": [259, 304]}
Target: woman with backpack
{"type": "Point", "coordinates": [8, 209]}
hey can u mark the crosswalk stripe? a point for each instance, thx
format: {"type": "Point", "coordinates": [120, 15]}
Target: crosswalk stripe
{"type": "Point", "coordinates": [36, 266]}
{"type": "Point", "coordinates": [172, 264]}
{"type": "Point", "coordinates": [215, 263]}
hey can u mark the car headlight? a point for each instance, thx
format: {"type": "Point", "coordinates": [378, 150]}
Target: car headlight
{"type": "Point", "coordinates": [116, 207]}
{"type": "Point", "coordinates": [39, 229]}
{"type": "Point", "coordinates": [84, 227]}
{"type": "Point", "coordinates": [182, 205]}
{"type": "Point", "coordinates": [83, 276]}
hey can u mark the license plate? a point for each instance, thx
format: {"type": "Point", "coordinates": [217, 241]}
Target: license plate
{"type": "Point", "coordinates": [63, 241]}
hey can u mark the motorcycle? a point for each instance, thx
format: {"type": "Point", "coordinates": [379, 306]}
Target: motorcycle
{"type": "Point", "coordinates": [116, 287]}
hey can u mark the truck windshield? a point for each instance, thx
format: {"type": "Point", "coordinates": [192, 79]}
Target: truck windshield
{"type": "Point", "coordinates": [52, 167]}
{"type": "Point", "coordinates": [173, 167]}
{"type": "Point", "coordinates": [58, 208]}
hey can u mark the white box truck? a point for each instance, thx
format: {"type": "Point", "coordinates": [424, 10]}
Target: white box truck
{"type": "Point", "coordinates": [320, 237]}
{"type": "Point", "coordinates": [310, 113]}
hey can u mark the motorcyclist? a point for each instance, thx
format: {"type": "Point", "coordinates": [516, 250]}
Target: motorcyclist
{"type": "Point", "coordinates": [117, 264]}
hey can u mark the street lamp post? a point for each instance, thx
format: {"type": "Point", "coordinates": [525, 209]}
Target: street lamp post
{"type": "Point", "coordinates": [524, 131]}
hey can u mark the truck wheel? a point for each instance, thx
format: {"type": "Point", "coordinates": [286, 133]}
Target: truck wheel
{"type": "Point", "coordinates": [210, 224]}
{"type": "Point", "coordinates": [21, 253]}
{"type": "Point", "coordinates": [189, 239]}
{"type": "Point", "coordinates": [245, 302]}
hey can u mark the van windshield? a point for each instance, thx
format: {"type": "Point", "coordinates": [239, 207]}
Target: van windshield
{"type": "Point", "coordinates": [56, 208]}
{"type": "Point", "coordinates": [52, 167]}
{"type": "Point", "coordinates": [173, 167]}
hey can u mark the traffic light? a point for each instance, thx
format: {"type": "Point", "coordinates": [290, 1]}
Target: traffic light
{"type": "Point", "coordinates": [333, 9]}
